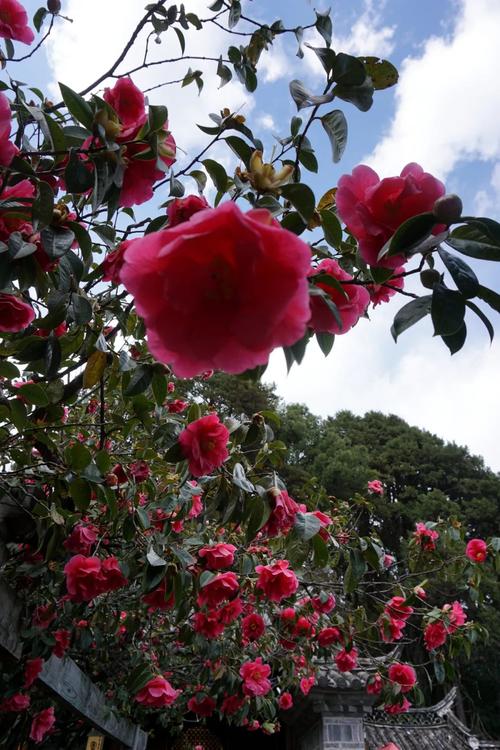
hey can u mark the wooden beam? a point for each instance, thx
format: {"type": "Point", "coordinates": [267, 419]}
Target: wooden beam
{"type": "Point", "coordinates": [65, 679]}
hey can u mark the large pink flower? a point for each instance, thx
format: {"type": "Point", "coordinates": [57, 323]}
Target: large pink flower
{"type": "Point", "coordinates": [435, 635]}
{"type": "Point", "coordinates": [221, 587]}
{"type": "Point", "coordinates": [141, 174]}
{"type": "Point", "coordinates": [41, 724]}
{"type": "Point", "coordinates": [219, 291]}
{"type": "Point", "coordinates": [15, 315]}
{"type": "Point", "coordinates": [373, 209]}
{"type": "Point", "coordinates": [7, 149]}
{"type": "Point", "coordinates": [15, 221]}
{"type": "Point", "coordinates": [283, 513]}
{"type": "Point", "coordinates": [277, 581]}
{"type": "Point", "coordinates": [476, 550]}
{"type": "Point", "coordinates": [403, 675]}
{"type": "Point", "coordinates": [218, 556]}
{"type": "Point", "coordinates": [157, 693]}
{"type": "Point", "coordinates": [351, 303]}
{"type": "Point", "coordinates": [128, 102]}
{"type": "Point", "coordinates": [181, 209]}
{"type": "Point", "coordinates": [255, 677]}
{"type": "Point", "coordinates": [204, 444]}
{"type": "Point", "coordinates": [14, 22]}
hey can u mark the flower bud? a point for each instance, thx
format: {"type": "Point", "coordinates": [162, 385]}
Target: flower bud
{"type": "Point", "coordinates": [448, 209]}
{"type": "Point", "coordinates": [54, 6]}
{"type": "Point", "coordinates": [429, 277]}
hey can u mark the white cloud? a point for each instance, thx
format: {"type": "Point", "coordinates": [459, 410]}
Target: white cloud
{"type": "Point", "coordinates": [367, 36]}
{"type": "Point", "coordinates": [266, 121]}
{"type": "Point", "coordinates": [274, 62]}
{"type": "Point", "coordinates": [488, 201]}
{"type": "Point", "coordinates": [79, 52]}
{"type": "Point", "coordinates": [448, 99]}
{"type": "Point", "coordinates": [417, 379]}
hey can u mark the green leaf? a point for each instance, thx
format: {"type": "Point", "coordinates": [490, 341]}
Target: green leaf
{"type": "Point", "coordinates": [447, 310]}
{"type": "Point", "coordinates": [224, 73]}
{"type": "Point", "coordinates": [439, 671]}
{"type": "Point", "coordinates": [78, 456]}
{"type": "Point", "coordinates": [82, 237]}
{"type": "Point", "coordinates": [490, 297]}
{"type": "Point", "coordinates": [410, 314]}
{"type": "Point", "coordinates": [409, 235]}
{"type": "Point", "coordinates": [242, 150]}
{"type": "Point", "coordinates": [77, 106]}
{"type": "Point", "coordinates": [143, 518]}
{"type": "Point", "coordinates": [43, 205]}
{"type": "Point", "coordinates": [331, 228]}
{"type": "Point", "coordinates": [320, 552]}
{"type": "Point", "coordinates": [234, 14]}
{"type": "Point", "coordinates": [293, 222]}
{"type": "Point", "coordinates": [80, 309]}
{"type": "Point", "coordinates": [463, 276]}
{"type": "Point", "coordinates": [324, 26]}
{"type": "Point", "coordinates": [474, 242]}
{"type": "Point", "coordinates": [52, 356]}
{"type": "Point", "coordinates": [156, 224]}
{"type": "Point", "coordinates": [302, 199]}
{"type": "Point", "coordinates": [360, 96]}
{"type": "Point", "coordinates": [335, 126]}
{"type": "Point", "coordinates": [217, 174]}
{"type": "Point", "coordinates": [8, 370]}
{"type": "Point", "coordinates": [34, 394]}
{"type": "Point", "coordinates": [80, 491]}
{"type": "Point", "coordinates": [56, 241]}
{"type": "Point", "coordinates": [303, 97]}
{"type": "Point", "coordinates": [157, 117]}
{"type": "Point", "coordinates": [240, 479]}
{"type": "Point", "coordinates": [77, 176]}
{"type": "Point", "coordinates": [480, 314]}
{"type": "Point", "coordinates": [325, 55]}
{"type": "Point", "coordinates": [306, 525]}
{"type": "Point", "coordinates": [325, 342]}
{"type": "Point", "coordinates": [355, 571]}
{"type": "Point", "coordinates": [308, 160]}
{"type": "Point", "coordinates": [456, 340]}
{"type": "Point", "coordinates": [39, 18]}
{"type": "Point", "coordinates": [159, 388]}
{"type": "Point", "coordinates": [183, 555]}
{"type": "Point", "coordinates": [382, 73]}
{"type": "Point", "coordinates": [348, 70]}
{"type": "Point", "coordinates": [140, 380]}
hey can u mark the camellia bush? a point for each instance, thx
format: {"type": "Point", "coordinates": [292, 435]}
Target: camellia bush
{"type": "Point", "coordinates": [145, 537]}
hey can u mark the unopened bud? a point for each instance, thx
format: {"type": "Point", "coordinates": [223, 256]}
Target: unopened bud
{"type": "Point", "coordinates": [54, 6]}
{"type": "Point", "coordinates": [448, 209]}
{"type": "Point", "coordinates": [429, 277]}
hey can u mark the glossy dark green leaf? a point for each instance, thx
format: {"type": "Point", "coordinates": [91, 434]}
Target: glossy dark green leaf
{"type": "Point", "coordinates": [234, 14]}
{"type": "Point", "coordinates": [382, 72]}
{"type": "Point", "coordinates": [325, 55]}
{"type": "Point", "coordinates": [474, 242]}
{"type": "Point", "coordinates": [302, 199]}
{"type": "Point", "coordinates": [43, 205]}
{"type": "Point", "coordinates": [240, 479]}
{"type": "Point", "coordinates": [56, 241]}
{"type": "Point", "coordinates": [490, 297]}
{"type": "Point", "coordinates": [52, 356]}
{"type": "Point", "coordinates": [293, 222]}
{"type": "Point", "coordinates": [34, 393]}
{"type": "Point", "coordinates": [77, 176]}
{"type": "Point", "coordinates": [485, 320]}
{"type": "Point", "coordinates": [410, 314]}
{"type": "Point", "coordinates": [306, 525]}
{"type": "Point", "coordinates": [140, 380]}
{"type": "Point", "coordinates": [355, 571]}
{"type": "Point", "coordinates": [77, 106]}
{"type": "Point", "coordinates": [463, 276]}
{"type": "Point", "coordinates": [80, 309]}
{"type": "Point", "coordinates": [361, 96]}
{"type": "Point", "coordinates": [335, 126]}
{"type": "Point", "coordinates": [325, 342]}
{"type": "Point", "coordinates": [303, 97]}
{"type": "Point", "coordinates": [39, 17]}
{"type": "Point", "coordinates": [447, 310]}
{"type": "Point", "coordinates": [456, 340]}
{"type": "Point", "coordinates": [217, 174]}
{"type": "Point", "coordinates": [324, 26]}
{"type": "Point", "coordinates": [308, 160]}
{"type": "Point", "coordinates": [348, 70]}
{"type": "Point", "coordinates": [409, 235]}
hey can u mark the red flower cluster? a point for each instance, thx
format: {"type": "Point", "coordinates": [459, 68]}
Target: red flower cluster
{"type": "Point", "coordinates": [87, 577]}
{"type": "Point", "coordinates": [42, 724]}
{"type": "Point", "coordinates": [81, 539]}
{"type": "Point", "coordinates": [351, 300]}
{"type": "Point", "coordinates": [15, 315]}
{"type": "Point", "coordinates": [425, 537]}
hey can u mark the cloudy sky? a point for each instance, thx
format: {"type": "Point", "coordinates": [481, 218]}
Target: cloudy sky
{"type": "Point", "coordinates": [444, 113]}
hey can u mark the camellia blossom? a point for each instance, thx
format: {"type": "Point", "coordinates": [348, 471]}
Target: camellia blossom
{"type": "Point", "coordinates": [204, 444]}
{"type": "Point", "coordinates": [383, 292]}
{"type": "Point", "coordinates": [221, 587]}
{"type": "Point", "coordinates": [129, 104]}
{"type": "Point", "coordinates": [16, 703]}
{"type": "Point", "coordinates": [181, 209]}
{"type": "Point", "coordinates": [157, 693]}
{"type": "Point", "coordinates": [435, 635]}
{"type": "Point", "coordinates": [277, 581]}
{"type": "Point", "coordinates": [323, 604]}
{"type": "Point", "coordinates": [328, 636]}
{"type": "Point", "coordinates": [42, 724]}
{"type": "Point", "coordinates": [404, 675]}
{"type": "Point", "coordinates": [376, 487]}
{"type": "Point", "coordinates": [255, 677]}
{"type": "Point", "coordinates": [81, 539]}
{"type": "Point", "coordinates": [476, 550]}
{"type": "Point", "coordinates": [32, 669]}
{"type": "Point", "coordinates": [375, 684]}
{"type": "Point", "coordinates": [218, 556]}
{"type": "Point", "coordinates": [351, 303]}
{"type": "Point", "coordinates": [234, 283]}
{"type": "Point", "coordinates": [285, 701]}
{"type": "Point", "coordinates": [14, 22]}
{"type": "Point", "coordinates": [7, 149]}
{"type": "Point", "coordinates": [398, 708]}
{"type": "Point", "coordinates": [373, 209]}
{"type": "Point", "coordinates": [87, 577]}
{"type": "Point", "coordinates": [202, 706]}
{"type": "Point", "coordinates": [397, 609]}
{"type": "Point", "coordinates": [456, 616]}
{"type": "Point", "coordinates": [284, 510]}
{"type": "Point", "coordinates": [15, 315]}
{"type": "Point", "coordinates": [426, 537]}
{"type": "Point", "coordinates": [346, 660]}
{"type": "Point", "coordinates": [253, 627]}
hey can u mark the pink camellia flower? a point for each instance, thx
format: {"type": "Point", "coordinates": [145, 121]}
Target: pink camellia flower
{"type": "Point", "coordinates": [230, 612]}
{"type": "Point", "coordinates": [277, 581]}
{"type": "Point", "coordinates": [383, 292]}
{"type": "Point", "coordinates": [58, 331]}
{"type": "Point", "coordinates": [398, 708]}
{"type": "Point", "coordinates": [112, 577]}
{"type": "Point", "coordinates": [375, 684]}
{"type": "Point", "coordinates": [208, 624]}
{"type": "Point", "coordinates": [181, 209]}
{"type": "Point", "coordinates": [16, 703]}
{"type": "Point", "coordinates": [32, 669]}
{"type": "Point", "coordinates": [435, 635]}
{"type": "Point", "coordinates": [81, 539]}
{"type": "Point", "coordinates": [16, 223]}
{"type": "Point", "coordinates": [234, 283]}
{"type": "Point", "coordinates": [204, 444]}
{"type": "Point", "coordinates": [157, 693]}
{"type": "Point", "coordinates": [157, 599]}
{"type": "Point", "coordinates": [425, 537]}
{"type": "Point", "coordinates": [141, 174]}
{"type": "Point", "coordinates": [129, 104]}
{"type": "Point", "coordinates": [397, 609]}
{"type": "Point", "coordinates": [346, 660]}
{"type": "Point", "coordinates": [404, 675]}
{"type": "Point", "coordinates": [202, 706]}
{"type": "Point", "coordinates": [285, 701]}
{"type": "Point", "coordinates": [476, 550]}
{"type": "Point", "coordinates": [14, 22]}
{"type": "Point", "coordinates": [7, 149]}
{"type": "Point", "coordinates": [252, 627]}
{"type": "Point", "coordinates": [351, 303]}
{"type": "Point", "coordinates": [284, 510]}
{"type": "Point", "coordinates": [389, 560]}
{"type": "Point", "coordinates": [42, 724]}
{"type": "Point", "coordinates": [306, 684]}
{"type": "Point", "coordinates": [177, 406]}
{"type": "Point", "coordinates": [113, 262]}
{"type": "Point", "coordinates": [218, 556]}
{"type": "Point", "coordinates": [323, 604]}
{"type": "Point", "coordinates": [328, 636]}
{"type": "Point", "coordinates": [63, 640]}
{"type": "Point", "coordinates": [456, 616]}
{"type": "Point", "coordinates": [373, 209]}
{"type": "Point", "coordinates": [255, 677]}
{"type": "Point", "coordinates": [15, 315]}
{"type": "Point", "coordinates": [376, 487]}
{"type": "Point", "coordinates": [139, 470]}
{"type": "Point", "coordinates": [221, 587]}
{"type": "Point", "coordinates": [390, 629]}
{"type": "Point", "coordinates": [83, 578]}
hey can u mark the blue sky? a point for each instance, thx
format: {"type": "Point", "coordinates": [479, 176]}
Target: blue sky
{"type": "Point", "coordinates": [444, 113]}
